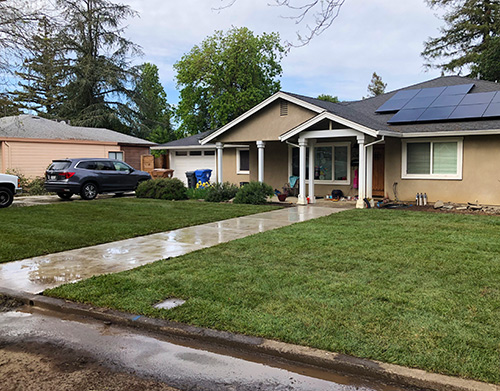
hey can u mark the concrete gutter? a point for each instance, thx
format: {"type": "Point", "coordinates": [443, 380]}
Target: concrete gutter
{"type": "Point", "coordinates": [341, 363]}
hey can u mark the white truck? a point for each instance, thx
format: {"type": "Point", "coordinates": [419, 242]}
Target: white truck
{"type": "Point", "coordinates": [9, 185]}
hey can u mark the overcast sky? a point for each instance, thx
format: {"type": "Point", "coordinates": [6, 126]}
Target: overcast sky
{"type": "Point", "coordinates": [385, 36]}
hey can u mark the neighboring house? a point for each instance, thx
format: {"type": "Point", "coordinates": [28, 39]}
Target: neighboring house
{"type": "Point", "coordinates": [188, 154]}
{"type": "Point", "coordinates": [440, 137]}
{"type": "Point", "coordinates": [29, 143]}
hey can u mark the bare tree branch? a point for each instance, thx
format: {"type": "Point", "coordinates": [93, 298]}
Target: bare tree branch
{"type": "Point", "coordinates": [322, 12]}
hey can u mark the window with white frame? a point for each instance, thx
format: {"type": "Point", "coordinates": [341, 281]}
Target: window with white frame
{"type": "Point", "coordinates": [242, 161]}
{"type": "Point", "coordinates": [118, 155]}
{"type": "Point", "coordinates": [432, 159]}
{"type": "Point", "coordinates": [332, 162]}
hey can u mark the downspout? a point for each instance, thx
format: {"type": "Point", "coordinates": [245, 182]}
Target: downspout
{"type": "Point", "coordinates": [375, 142]}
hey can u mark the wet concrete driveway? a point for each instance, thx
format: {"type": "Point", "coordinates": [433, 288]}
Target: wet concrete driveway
{"type": "Point", "coordinates": [34, 275]}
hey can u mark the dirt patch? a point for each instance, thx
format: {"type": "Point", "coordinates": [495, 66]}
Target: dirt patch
{"type": "Point", "coordinates": [428, 208]}
{"type": "Point", "coordinates": [44, 367]}
{"type": "Point", "coordinates": [8, 303]}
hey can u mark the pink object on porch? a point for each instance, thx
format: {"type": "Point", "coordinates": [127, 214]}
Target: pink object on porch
{"type": "Point", "coordinates": [355, 180]}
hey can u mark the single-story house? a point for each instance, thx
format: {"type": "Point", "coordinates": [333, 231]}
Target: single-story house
{"type": "Point", "coordinates": [29, 143]}
{"type": "Point", "coordinates": [440, 137]}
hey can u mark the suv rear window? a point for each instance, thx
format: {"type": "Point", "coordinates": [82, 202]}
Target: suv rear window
{"type": "Point", "coordinates": [57, 166]}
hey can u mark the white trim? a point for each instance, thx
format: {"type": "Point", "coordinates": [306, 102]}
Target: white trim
{"type": "Point", "coordinates": [460, 148]}
{"type": "Point", "coordinates": [239, 171]}
{"type": "Point", "coordinates": [452, 133]}
{"type": "Point", "coordinates": [347, 182]}
{"type": "Point", "coordinates": [252, 111]}
{"type": "Point", "coordinates": [326, 115]}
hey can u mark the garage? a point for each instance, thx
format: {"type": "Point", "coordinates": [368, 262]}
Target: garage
{"type": "Point", "coordinates": [191, 160]}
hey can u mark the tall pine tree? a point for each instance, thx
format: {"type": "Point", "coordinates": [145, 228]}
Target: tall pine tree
{"type": "Point", "coordinates": [472, 28]}
{"type": "Point", "coordinates": [99, 64]}
{"type": "Point", "coordinates": [42, 76]}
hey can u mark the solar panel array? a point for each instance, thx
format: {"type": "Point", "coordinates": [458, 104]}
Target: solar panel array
{"type": "Point", "coordinates": [440, 104]}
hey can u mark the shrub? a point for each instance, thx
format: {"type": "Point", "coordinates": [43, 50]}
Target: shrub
{"type": "Point", "coordinates": [198, 193]}
{"type": "Point", "coordinates": [255, 193]}
{"type": "Point", "coordinates": [162, 189]}
{"type": "Point", "coordinates": [33, 186]}
{"type": "Point", "coordinates": [219, 192]}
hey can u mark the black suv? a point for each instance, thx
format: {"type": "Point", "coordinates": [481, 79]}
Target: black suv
{"type": "Point", "coordinates": [89, 177]}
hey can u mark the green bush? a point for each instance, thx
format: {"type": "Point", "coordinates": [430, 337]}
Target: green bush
{"type": "Point", "coordinates": [219, 192]}
{"type": "Point", "coordinates": [162, 189]}
{"type": "Point", "coordinates": [255, 193]}
{"type": "Point", "coordinates": [199, 193]}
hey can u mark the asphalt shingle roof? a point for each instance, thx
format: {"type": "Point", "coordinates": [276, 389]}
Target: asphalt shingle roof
{"type": "Point", "coordinates": [29, 126]}
{"type": "Point", "coordinates": [363, 111]}
{"type": "Point", "coordinates": [188, 141]}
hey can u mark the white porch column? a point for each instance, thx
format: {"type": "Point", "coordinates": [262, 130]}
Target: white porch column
{"type": "Point", "coordinates": [260, 148]}
{"type": "Point", "coordinates": [361, 172]}
{"type": "Point", "coordinates": [302, 172]}
{"type": "Point", "coordinates": [220, 148]}
{"type": "Point", "coordinates": [369, 171]}
{"type": "Point", "coordinates": [312, 198]}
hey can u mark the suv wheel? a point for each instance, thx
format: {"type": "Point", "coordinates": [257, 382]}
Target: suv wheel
{"type": "Point", "coordinates": [88, 191]}
{"type": "Point", "coordinates": [6, 197]}
{"type": "Point", "coordinates": [64, 195]}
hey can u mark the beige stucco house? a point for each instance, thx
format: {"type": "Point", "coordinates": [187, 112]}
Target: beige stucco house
{"type": "Point", "coordinates": [440, 137]}
{"type": "Point", "coordinates": [28, 144]}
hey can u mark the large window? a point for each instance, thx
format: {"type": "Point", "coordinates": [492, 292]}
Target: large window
{"type": "Point", "coordinates": [432, 159]}
{"type": "Point", "coordinates": [118, 155]}
{"type": "Point", "coordinates": [331, 163]}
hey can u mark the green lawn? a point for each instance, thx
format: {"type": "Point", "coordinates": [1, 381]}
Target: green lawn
{"type": "Point", "coordinates": [38, 230]}
{"type": "Point", "coordinates": [410, 288]}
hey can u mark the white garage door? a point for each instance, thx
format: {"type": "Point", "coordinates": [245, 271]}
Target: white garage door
{"type": "Point", "coordinates": [182, 161]}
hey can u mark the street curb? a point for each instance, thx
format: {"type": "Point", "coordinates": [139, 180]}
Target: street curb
{"type": "Point", "coordinates": [341, 363]}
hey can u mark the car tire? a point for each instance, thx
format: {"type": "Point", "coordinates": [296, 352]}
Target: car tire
{"type": "Point", "coordinates": [64, 195]}
{"type": "Point", "coordinates": [88, 191]}
{"type": "Point", "coordinates": [6, 197]}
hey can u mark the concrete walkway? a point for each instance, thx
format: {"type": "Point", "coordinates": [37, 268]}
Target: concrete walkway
{"type": "Point", "coordinates": [34, 275]}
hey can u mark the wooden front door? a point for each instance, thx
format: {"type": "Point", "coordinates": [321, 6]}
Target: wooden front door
{"type": "Point", "coordinates": [378, 170]}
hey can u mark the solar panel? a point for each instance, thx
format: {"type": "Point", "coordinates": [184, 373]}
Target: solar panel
{"type": "Point", "coordinates": [493, 110]}
{"type": "Point", "coordinates": [436, 113]}
{"type": "Point", "coordinates": [398, 101]}
{"type": "Point", "coordinates": [441, 103]}
{"type": "Point", "coordinates": [410, 115]}
{"type": "Point", "coordinates": [427, 92]}
{"type": "Point", "coordinates": [458, 90]}
{"type": "Point", "coordinates": [447, 100]}
{"type": "Point", "coordinates": [469, 111]}
{"type": "Point", "coordinates": [478, 98]}
{"type": "Point", "coordinates": [419, 102]}
{"type": "Point", "coordinates": [496, 98]}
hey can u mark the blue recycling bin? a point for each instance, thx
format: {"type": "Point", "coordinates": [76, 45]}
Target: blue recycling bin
{"type": "Point", "coordinates": [203, 176]}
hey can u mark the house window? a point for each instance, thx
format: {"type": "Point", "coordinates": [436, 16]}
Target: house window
{"type": "Point", "coordinates": [242, 161]}
{"type": "Point", "coordinates": [181, 153]}
{"type": "Point", "coordinates": [209, 153]}
{"type": "Point", "coordinates": [332, 163]}
{"type": "Point", "coordinates": [115, 155]}
{"type": "Point", "coordinates": [195, 153]}
{"type": "Point", "coordinates": [432, 159]}
{"type": "Point", "coordinates": [283, 108]}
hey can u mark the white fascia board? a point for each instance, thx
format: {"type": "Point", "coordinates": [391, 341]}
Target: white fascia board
{"type": "Point", "coordinates": [453, 133]}
{"type": "Point", "coordinates": [255, 109]}
{"type": "Point", "coordinates": [332, 117]}
{"type": "Point", "coordinates": [202, 147]}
